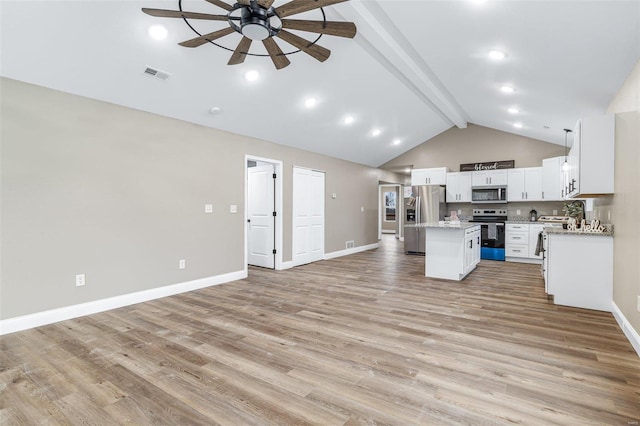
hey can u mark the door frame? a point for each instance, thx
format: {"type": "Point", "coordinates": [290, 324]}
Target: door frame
{"type": "Point", "coordinates": [399, 205]}
{"type": "Point", "coordinates": [278, 206]}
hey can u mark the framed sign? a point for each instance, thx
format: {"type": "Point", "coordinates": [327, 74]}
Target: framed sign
{"type": "Point", "coordinates": [490, 165]}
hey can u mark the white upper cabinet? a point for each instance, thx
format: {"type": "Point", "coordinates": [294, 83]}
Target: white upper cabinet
{"type": "Point", "coordinates": [489, 178]}
{"type": "Point", "coordinates": [525, 184]}
{"type": "Point", "coordinates": [433, 176]}
{"type": "Point", "coordinates": [459, 187]}
{"type": "Point", "coordinates": [553, 179]}
{"type": "Point", "coordinates": [591, 159]}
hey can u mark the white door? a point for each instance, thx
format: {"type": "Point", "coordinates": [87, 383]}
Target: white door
{"type": "Point", "coordinates": [308, 216]}
{"type": "Point", "coordinates": [261, 205]}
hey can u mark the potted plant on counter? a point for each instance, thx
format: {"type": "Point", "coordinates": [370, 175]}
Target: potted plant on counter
{"type": "Point", "coordinates": [574, 209]}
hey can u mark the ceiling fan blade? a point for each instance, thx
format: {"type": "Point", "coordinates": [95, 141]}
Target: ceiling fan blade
{"type": "Point", "coordinates": [163, 13]}
{"type": "Point", "coordinates": [279, 59]}
{"type": "Point", "coordinates": [340, 29]}
{"type": "Point", "coordinates": [219, 3]}
{"type": "Point", "coordinates": [244, 2]}
{"type": "Point", "coordinates": [317, 51]}
{"type": "Point", "coordinates": [240, 54]}
{"type": "Point", "coordinates": [266, 3]}
{"type": "Point", "coordinates": [199, 41]}
{"type": "Point", "coordinates": [299, 6]}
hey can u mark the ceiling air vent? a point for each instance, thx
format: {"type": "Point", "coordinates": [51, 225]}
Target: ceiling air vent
{"type": "Point", "coordinates": [159, 74]}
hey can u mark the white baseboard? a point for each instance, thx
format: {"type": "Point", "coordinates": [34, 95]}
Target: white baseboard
{"type": "Point", "coordinates": [38, 319]}
{"type": "Point", "coordinates": [627, 329]}
{"type": "Point", "coordinates": [347, 252]}
{"type": "Point", "coordinates": [286, 265]}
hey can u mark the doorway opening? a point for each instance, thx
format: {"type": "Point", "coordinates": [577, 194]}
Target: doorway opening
{"type": "Point", "coordinates": [263, 212]}
{"type": "Point", "coordinates": [390, 210]}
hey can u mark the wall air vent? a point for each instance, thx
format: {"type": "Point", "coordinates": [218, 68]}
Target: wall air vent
{"type": "Point", "coordinates": [350, 244]}
{"type": "Point", "coordinates": [154, 72]}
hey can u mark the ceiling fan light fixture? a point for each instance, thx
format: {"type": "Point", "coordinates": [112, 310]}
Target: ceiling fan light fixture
{"type": "Point", "coordinates": [252, 75]}
{"type": "Point", "coordinates": [497, 55]}
{"type": "Point", "coordinates": [254, 23]}
{"type": "Point", "coordinates": [255, 31]}
{"type": "Point", "coordinates": [157, 32]}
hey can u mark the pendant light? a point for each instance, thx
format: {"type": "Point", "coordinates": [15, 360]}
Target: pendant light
{"type": "Point", "coordinates": [565, 165]}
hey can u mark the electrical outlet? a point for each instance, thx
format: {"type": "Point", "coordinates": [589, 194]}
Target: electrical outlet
{"type": "Point", "coordinates": [609, 216]}
{"type": "Point", "coordinates": [80, 280]}
{"type": "Point", "coordinates": [638, 307]}
{"type": "Point", "coordinates": [459, 211]}
{"type": "Point", "coordinates": [182, 264]}
{"type": "Point", "coordinates": [518, 212]}
{"type": "Point", "coordinates": [208, 208]}
{"type": "Point", "coordinates": [233, 208]}
{"type": "Point", "coordinates": [555, 212]}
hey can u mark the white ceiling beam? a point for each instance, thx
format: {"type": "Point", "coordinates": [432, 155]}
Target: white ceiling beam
{"type": "Point", "coordinates": [381, 39]}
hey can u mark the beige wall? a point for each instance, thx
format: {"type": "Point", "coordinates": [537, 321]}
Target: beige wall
{"type": "Point", "coordinates": [119, 194]}
{"type": "Point", "coordinates": [476, 144]}
{"type": "Point", "coordinates": [625, 204]}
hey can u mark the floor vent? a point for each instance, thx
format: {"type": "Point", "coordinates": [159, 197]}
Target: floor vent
{"type": "Point", "coordinates": [350, 244]}
{"type": "Point", "coordinates": [153, 72]}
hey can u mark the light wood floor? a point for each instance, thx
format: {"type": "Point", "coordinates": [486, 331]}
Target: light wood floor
{"type": "Point", "coordinates": [363, 339]}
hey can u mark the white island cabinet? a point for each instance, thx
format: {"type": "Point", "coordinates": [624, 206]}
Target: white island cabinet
{"type": "Point", "coordinates": [579, 269]}
{"type": "Point", "coordinates": [452, 251]}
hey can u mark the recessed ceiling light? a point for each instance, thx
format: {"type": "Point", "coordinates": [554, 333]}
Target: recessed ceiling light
{"type": "Point", "coordinates": [507, 89]}
{"type": "Point", "coordinates": [518, 125]}
{"type": "Point", "coordinates": [157, 32]}
{"type": "Point", "coordinates": [397, 141]}
{"type": "Point", "coordinates": [376, 132]}
{"type": "Point", "coordinates": [215, 111]}
{"type": "Point", "coordinates": [513, 110]}
{"type": "Point", "coordinates": [310, 102]}
{"type": "Point", "coordinates": [479, 1]}
{"type": "Point", "coordinates": [497, 55]}
{"type": "Point", "coordinates": [252, 75]}
{"type": "Point", "coordinates": [348, 119]}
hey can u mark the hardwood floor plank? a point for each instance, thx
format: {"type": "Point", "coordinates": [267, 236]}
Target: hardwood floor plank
{"type": "Point", "coordinates": [358, 340]}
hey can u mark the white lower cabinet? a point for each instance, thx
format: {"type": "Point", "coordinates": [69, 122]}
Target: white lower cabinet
{"type": "Point", "coordinates": [579, 270]}
{"type": "Point", "coordinates": [452, 252]}
{"type": "Point", "coordinates": [521, 240]}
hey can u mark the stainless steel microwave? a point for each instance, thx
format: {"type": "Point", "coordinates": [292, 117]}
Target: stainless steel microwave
{"type": "Point", "coordinates": [489, 194]}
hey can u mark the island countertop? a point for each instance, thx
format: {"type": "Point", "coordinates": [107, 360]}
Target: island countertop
{"type": "Point", "coordinates": [561, 231]}
{"type": "Point", "coordinates": [449, 225]}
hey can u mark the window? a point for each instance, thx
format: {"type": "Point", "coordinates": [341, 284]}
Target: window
{"type": "Point", "coordinates": [390, 206]}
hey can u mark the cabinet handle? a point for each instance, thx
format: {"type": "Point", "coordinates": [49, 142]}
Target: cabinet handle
{"type": "Point", "coordinates": [516, 238]}
{"type": "Point", "coordinates": [526, 195]}
{"type": "Point", "coordinates": [516, 250]}
{"type": "Point", "coordinates": [523, 195]}
{"type": "Point", "coordinates": [470, 243]}
{"type": "Point", "coordinates": [543, 195]}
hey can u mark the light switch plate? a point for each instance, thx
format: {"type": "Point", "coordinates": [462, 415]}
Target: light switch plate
{"type": "Point", "coordinates": [638, 304]}
{"type": "Point", "coordinates": [334, 195]}
{"type": "Point", "coordinates": [361, 209]}
{"type": "Point", "coordinates": [80, 280]}
{"type": "Point", "coordinates": [208, 208]}
{"type": "Point", "coordinates": [182, 264]}
{"type": "Point", "coordinates": [233, 208]}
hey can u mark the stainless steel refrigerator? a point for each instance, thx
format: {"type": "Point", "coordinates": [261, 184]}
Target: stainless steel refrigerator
{"type": "Point", "coordinates": [422, 204]}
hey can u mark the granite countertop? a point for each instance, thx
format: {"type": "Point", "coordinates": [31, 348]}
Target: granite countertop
{"type": "Point", "coordinates": [523, 221]}
{"type": "Point", "coordinates": [562, 231]}
{"type": "Point", "coordinates": [450, 225]}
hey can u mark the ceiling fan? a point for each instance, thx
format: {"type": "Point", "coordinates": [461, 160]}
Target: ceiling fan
{"type": "Point", "coordinates": [258, 20]}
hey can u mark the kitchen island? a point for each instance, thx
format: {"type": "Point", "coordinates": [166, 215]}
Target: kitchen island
{"type": "Point", "coordinates": [452, 250]}
{"type": "Point", "coordinates": [578, 268]}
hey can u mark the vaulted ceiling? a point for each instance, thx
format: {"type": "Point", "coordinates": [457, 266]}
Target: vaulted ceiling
{"type": "Point", "coordinates": [414, 70]}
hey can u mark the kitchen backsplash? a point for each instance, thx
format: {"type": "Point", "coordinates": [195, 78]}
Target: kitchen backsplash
{"type": "Point", "coordinates": [515, 211]}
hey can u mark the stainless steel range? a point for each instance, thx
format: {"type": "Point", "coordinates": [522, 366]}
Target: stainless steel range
{"type": "Point", "coordinates": [493, 232]}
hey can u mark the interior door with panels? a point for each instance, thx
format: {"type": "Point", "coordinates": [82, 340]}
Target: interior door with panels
{"type": "Point", "coordinates": [261, 208]}
{"type": "Point", "coordinates": [308, 216]}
